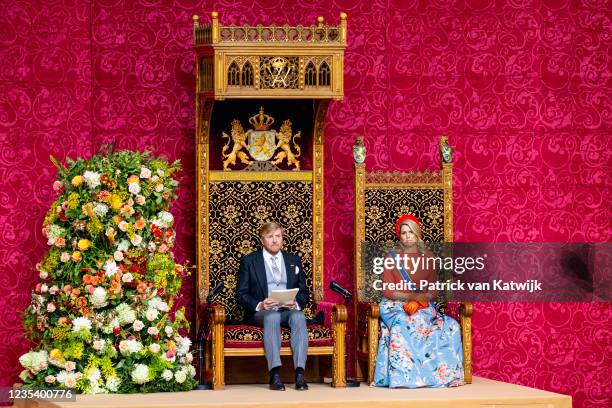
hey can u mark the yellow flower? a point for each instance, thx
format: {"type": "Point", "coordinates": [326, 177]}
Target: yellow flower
{"type": "Point", "coordinates": [84, 244]}
{"type": "Point", "coordinates": [77, 181]}
{"type": "Point", "coordinates": [76, 256]}
{"type": "Point", "coordinates": [133, 179]}
{"type": "Point", "coordinates": [115, 202]}
{"type": "Point", "coordinates": [56, 354]}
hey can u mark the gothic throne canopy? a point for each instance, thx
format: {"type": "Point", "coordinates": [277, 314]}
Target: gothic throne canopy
{"type": "Point", "coordinates": [262, 98]}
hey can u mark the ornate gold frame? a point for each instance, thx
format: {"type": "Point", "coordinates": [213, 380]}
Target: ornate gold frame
{"type": "Point", "coordinates": [367, 347]}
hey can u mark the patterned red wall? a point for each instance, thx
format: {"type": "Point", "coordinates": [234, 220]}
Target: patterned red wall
{"type": "Point", "coordinates": [521, 87]}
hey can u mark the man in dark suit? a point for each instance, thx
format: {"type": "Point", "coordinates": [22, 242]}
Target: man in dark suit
{"type": "Point", "coordinates": [260, 273]}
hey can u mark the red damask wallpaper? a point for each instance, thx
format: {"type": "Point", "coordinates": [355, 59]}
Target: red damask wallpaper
{"type": "Point", "coordinates": [521, 87]}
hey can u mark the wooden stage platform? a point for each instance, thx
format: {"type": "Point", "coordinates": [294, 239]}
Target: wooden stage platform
{"type": "Point", "coordinates": [482, 393]}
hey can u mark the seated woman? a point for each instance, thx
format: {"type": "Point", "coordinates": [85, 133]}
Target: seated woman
{"type": "Point", "coordinates": [419, 347]}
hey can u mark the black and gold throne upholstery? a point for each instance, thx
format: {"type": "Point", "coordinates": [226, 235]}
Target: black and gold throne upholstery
{"type": "Point", "coordinates": [262, 98]}
{"type": "Point", "coordinates": [380, 199]}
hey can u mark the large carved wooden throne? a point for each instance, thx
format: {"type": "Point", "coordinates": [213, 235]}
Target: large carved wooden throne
{"type": "Point", "coordinates": [380, 198]}
{"type": "Point", "coordinates": [262, 98]}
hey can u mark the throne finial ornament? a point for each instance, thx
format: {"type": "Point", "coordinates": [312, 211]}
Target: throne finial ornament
{"type": "Point", "coordinates": [261, 121]}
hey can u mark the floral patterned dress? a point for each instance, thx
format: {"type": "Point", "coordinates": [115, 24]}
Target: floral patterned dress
{"type": "Point", "coordinates": [419, 350]}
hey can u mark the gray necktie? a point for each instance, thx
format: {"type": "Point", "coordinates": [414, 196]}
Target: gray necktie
{"type": "Point", "coordinates": [276, 273]}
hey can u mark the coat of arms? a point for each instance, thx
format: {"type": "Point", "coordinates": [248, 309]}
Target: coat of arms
{"type": "Point", "coordinates": [261, 143]}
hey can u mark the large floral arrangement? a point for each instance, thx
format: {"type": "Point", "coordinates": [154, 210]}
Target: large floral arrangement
{"type": "Point", "coordinates": [101, 311]}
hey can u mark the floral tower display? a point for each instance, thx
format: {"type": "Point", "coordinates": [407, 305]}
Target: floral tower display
{"type": "Point", "coordinates": [101, 313]}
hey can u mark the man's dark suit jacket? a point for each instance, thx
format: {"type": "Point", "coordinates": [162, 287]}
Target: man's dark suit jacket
{"type": "Point", "coordinates": [253, 284]}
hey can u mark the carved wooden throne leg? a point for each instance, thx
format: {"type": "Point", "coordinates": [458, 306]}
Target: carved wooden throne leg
{"type": "Point", "coordinates": [216, 323]}
{"type": "Point", "coordinates": [465, 320]}
{"type": "Point", "coordinates": [339, 357]}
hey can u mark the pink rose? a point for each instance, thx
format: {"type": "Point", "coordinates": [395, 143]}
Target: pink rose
{"type": "Point", "coordinates": [118, 255]}
{"type": "Point", "coordinates": [49, 379]}
{"type": "Point", "coordinates": [70, 365]}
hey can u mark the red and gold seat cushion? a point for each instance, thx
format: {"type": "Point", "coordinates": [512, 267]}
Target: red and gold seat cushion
{"type": "Point", "coordinates": [245, 336]}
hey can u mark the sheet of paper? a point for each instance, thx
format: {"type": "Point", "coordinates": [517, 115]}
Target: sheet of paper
{"type": "Point", "coordinates": [284, 296]}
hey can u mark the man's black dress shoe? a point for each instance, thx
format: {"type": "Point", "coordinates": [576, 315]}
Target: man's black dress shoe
{"type": "Point", "coordinates": [275, 382]}
{"type": "Point", "coordinates": [300, 382]}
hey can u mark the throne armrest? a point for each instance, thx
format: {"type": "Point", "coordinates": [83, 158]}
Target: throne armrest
{"type": "Point", "coordinates": [215, 320]}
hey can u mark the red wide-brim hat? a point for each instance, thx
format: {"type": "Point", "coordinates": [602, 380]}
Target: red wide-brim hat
{"type": "Point", "coordinates": [403, 218]}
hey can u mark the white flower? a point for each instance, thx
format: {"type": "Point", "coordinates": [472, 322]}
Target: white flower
{"type": "Point", "coordinates": [134, 188]}
{"type": "Point", "coordinates": [154, 302]}
{"type": "Point", "coordinates": [111, 268]}
{"type": "Point", "coordinates": [123, 245]}
{"type": "Point", "coordinates": [122, 225]}
{"type": "Point", "coordinates": [65, 257]}
{"type": "Point", "coordinates": [100, 209]}
{"type": "Point", "coordinates": [34, 361]}
{"type": "Point", "coordinates": [112, 383]}
{"type": "Point", "coordinates": [50, 308]}
{"type": "Point", "coordinates": [136, 240]}
{"type": "Point", "coordinates": [154, 347]}
{"type": "Point", "coordinates": [118, 256]}
{"type": "Point", "coordinates": [168, 331]}
{"type": "Point", "coordinates": [24, 375]}
{"type": "Point", "coordinates": [164, 219]}
{"type": "Point", "coordinates": [140, 199]}
{"type": "Point", "coordinates": [44, 288]}
{"type": "Point", "coordinates": [129, 346]}
{"type": "Point", "coordinates": [98, 344]}
{"type": "Point", "coordinates": [127, 277]}
{"type": "Point", "coordinates": [145, 173]}
{"type": "Point", "coordinates": [81, 323]}
{"type": "Point", "coordinates": [155, 178]}
{"type": "Point", "coordinates": [140, 375]}
{"type": "Point", "coordinates": [44, 275]}
{"type": "Point", "coordinates": [92, 179]}
{"type": "Point", "coordinates": [189, 357]}
{"type": "Point", "coordinates": [167, 375]}
{"type": "Point", "coordinates": [163, 307]}
{"type": "Point", "coordinates": [159, 187]}
{"type": "Point", "coordinates": [153, 331]}
{"type": "Point", "coordinates": [125, 314]}
{"type": "Point", "coordinates": [70, 366]}
{"type": "Point", "coordinates": [152, 314]}
{"type": "Point", "coordinates": [190, 370]}
{"type": "Point", "coordinates": [53, 290]}
{"type": "Point", "coordinates": [180, 376]}
{"type": "Point", "coordinates": [98, 297]}
{"type": "Point", "coordinates": [138, 325]}
{"type": "Point", "coordinates": [160, 173]}
{"type": "Point", "coordinates": [183, 344]}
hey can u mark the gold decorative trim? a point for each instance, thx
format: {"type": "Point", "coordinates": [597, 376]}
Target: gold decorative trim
{"type": "Point", "coordinates": [359, 225]}
{"type": "Point", "coordinates": [399, 178]}
{"type": "Point", "coordinates": [214, 33]}
{"type": "Point", "coordinates": [447, 176]}
{"type": "Point", "coordinates": [317, 201]}
{"type": "Point", "coordinates": [260, 176]}
{"type": "Point", "coordinates": [403, 186]}
{"type": "Point", "coordinates": [203, 116]}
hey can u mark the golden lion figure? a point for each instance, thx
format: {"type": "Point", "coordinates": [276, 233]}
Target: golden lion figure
{"type": "Point", "coordinates": [239, 139]}
{"type": "Point", "coordinates": [284, 138]}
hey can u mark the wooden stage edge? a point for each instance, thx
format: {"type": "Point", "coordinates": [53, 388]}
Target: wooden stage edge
{"type": "Point", "coordinates": [483, 393]}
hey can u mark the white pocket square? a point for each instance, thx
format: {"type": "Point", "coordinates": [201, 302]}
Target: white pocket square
{"type": "Point", "coordinates": [297, 270]}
